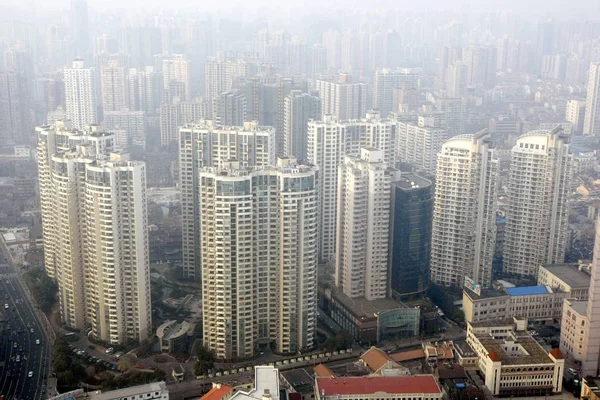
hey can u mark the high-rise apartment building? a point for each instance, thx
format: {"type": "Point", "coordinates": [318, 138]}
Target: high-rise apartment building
{"type": "Point", "coordinates": [538, 190]}
{"type": "Point", "coordinates": [411, 215]}
{"type": "Point", "coordinates": [373, 131]}
{"type": "Point", "coordinates": [95, 230]}
{"type": "Point", "coordinates": [177, 114]}
{"type": "Point", "coordinates": [299, 108]}
{"type": "Point", "coordinates": [81, 95]}
{"type": "Point", "coordinates": [219, 76]}
{"type": "Point", "coordinates": [363, 221]}
{"type": "Point", "coordinates": [343, 99]}
{"type": "Point", "coordinates": [327, 145]}
{"type": "Point", "coordinates": [386, 80]}
{"type": "Point", "coordinates": [132, 122]}
{"type": "Point", "coordinates": [230, 108]}
{"type": "Point", "coordinates": [113, 83]}
{"type": "Point", "coordinates": [464, 216]}
{"type": "Point", "coordinates": [575, 114]}
{"type": "Point", "coordinates": [457, 79]}
{"type": "Point", "coordinates": [207, 144]}
{"type": "Point", "coordinates": [177, 69]}
{"type": "Point", "coordinates": [419, 143]}
{"type": "Point", "coordinates": [455, 114]}
{"type": "Point", "coordinates": [144, 90]}
{"type": "Point", "coordinates": [591, 123]}
{"type": "Point", "coordinates": [11, 117]}
{"type": "Point", "coordinates": [259, 257]}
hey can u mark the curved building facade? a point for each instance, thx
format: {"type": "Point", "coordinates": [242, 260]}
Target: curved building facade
{"type": "Point", "coordinates": [410, 235]}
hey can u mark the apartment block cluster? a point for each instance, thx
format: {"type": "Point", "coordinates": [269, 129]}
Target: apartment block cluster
{"type": "Point", "coordinates": [95, 229]}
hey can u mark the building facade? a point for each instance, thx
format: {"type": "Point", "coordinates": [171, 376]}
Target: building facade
{"type": "Point", "coordinates": [299, 108]}
{"type": "Point", "coordinates": [591, 122]}
{"type": "Point", "coordinates": [537, 213]}
{"type": "Point", "coordinates": [513, 363]}
{"type": "Point", "coordinates": [410, 235]}
{"type": "Point", "coordinates": [464, 216]}
{"type": "Point", "coordinates": [81, 95]}
{"type": "Point", "coordinates": [343, 99]}
{"type": "Point", "coordinates": [419, 144]}
{"type": "Point", "coordinates": [386, 80]}
{"type": "Point", "coordinates": [94, 216]}
{"type": "Point", "coordinates": [206, 144]}
{"type": "Point", "coordinates": [259, 257]}
{"type": "Point", "coordinates": [177, 114]}
{"type": "Point", "coordinates": [363, 225]}
{"type": "Point", "coordinates": [132, 122]}
{"type": "Point", "coordinates": [113, 85]}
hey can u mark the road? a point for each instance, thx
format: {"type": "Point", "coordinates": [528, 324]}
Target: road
{"type": "Point", "coordinates": [19, 334]}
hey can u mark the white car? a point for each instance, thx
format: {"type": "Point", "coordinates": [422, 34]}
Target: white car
{"type": "Point", "coordinates": [37, 341]}
{"type": "Point", "coordinates": [30, 374]}
{"type": "Point", "coordinates": [5, 305]}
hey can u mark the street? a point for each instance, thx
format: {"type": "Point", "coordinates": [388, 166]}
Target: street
{"type": "Point", "coordinates": [20, 353]}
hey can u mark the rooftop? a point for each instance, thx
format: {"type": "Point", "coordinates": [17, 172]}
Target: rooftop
{"type": "Point", "coordinates": [418, 384]}
{"type": "Point", "coordinates": [485, 293]}
{"type": "Point", "coordinates": [569, 274]}
{"type": "Point", "coordinates": [579, 306]}
{"type": "Point", "coordinates": [375, 359]}
{"type": "Point", "coordinates": [408, 355]}
{"type": "Point", "coordinates": [323, 371]}
{"type": "Point", "coordinates": [129, 392]}
{"type": "Point", "coordinates": [362, 307]}
{"type": "Point", "coordinates": [217, 392]}
{"type": "Point", "coordinates": [463, 348]}
{"type": "Point", "coordinates": [528, 290]}
{"type": "Point", "coordinates": [266, 379]}
{"type": "Point", "coordinates": [300, 380]}
{"type": "Point", "coordinates": [410, 181]}
{"type": "Point", "coordinates": [530, 351]}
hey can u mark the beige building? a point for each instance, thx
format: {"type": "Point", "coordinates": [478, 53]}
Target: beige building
{"type": "Point", "coordinates": [258, 257]}
{"type": "Point", "coordinates": [176, 114]}
{"type": "Point", "coordinates": [207, 144]}
{"type": "Point", "coordinates": [94, 215]}
{"type": "Point", "coordinates": [364, 192]}
{"type": "Point", "coordinates": [569, 278]}
{"type": "Point", "coordinates": [177, 69]}
{"type": "Point", "coordinates": [464, 216]}
{"type": "Point", "coordinates": [512, 362]}
{"type": "Point", "coordinates": [532, 302]}
{"type": "Point", "coordinates": [537, 213]}
{"type": "Point", "coordinates": [114, 95]}
{"type": "Point", "coordinates": [419, 144]}
{"type": "Point", "coordinates": [344, 99]}
{"type": "Point", "coordinates": [81, 91]}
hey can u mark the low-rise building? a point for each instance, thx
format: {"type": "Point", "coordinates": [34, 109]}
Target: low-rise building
{"type": "Point", "coordinates": [573, 329]}
{"type": "Point", "coordinates": [380, 363]}
{"type": "Point", "coordinates": [569, 278]}
{"type": "Point", "coordinates": [513, 363]}
{"type": "Point", "coordinates": [465, 355]}
{"type": "Point", "coordinates": [175, 337]}
{"type": "Point", "coordinates": [299, 381]}
{"type": "Point", "coordinates": [422, 387]}
{"type": "Point", "coordinates": [369, 321]}
{"type": "Point", "coordinates": [266, 385]}
{"type": "Point", "coordinates": [219, 391]}
{"type": "Point", "coordinates": [531, 302]}
{"type": "Point", "coordinates": [150, 391]}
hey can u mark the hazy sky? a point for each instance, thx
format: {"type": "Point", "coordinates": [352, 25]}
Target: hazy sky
{"type": "Point", "coordinates": [589, 8]}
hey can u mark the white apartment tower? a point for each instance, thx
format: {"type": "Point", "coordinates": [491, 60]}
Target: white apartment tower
{"type": "Point", "coordinates": [591, 123]}
{"type": "Point", "coordinates": [259, 257]}
{"type": "Point", "coordinates": [538, 189]}
{"type": "Point", "coordinates": [464, 216]}
{"type": "Point", "coordinates": [207, 144]}
{"type": "Point", "coordinates": [343, 99]}
{"type": "Point", "coordinates": [114, 87]}
{"type": "Point", "coordinates": [575, 114]}
{"type": "Point", "coordinates": [81, 95]}
{"type": "Point", "coordinates": [219, 75]}
{"type": "Point", "coordinates": [419, 144]}
{"type": "Point", "coordinates": [131, 122]}
{"type": "Point", "coordinates": [95, 231]}
{"type": "Point", "coordinates": [326, 147]}
{"type": "Point", "coordinates": [386, 80]}
{"type": "Point", "coordinates": [363, 215]}
{"type": "Point", "coordinates": [177, 114]}
{"type": "Point", "coordinates": [373, 131]}
{"type": "Point", "coordinates": [177, 69]}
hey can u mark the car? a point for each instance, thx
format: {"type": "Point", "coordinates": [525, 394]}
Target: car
{"type": "Point", "coordinates": [110, 350]}
{"type": "Point", "coordinates": [31, 330]}
{"type": "Point", "coordinates": [30, 374]}
{"type": "Point", "coordinates": [5, 305]}
{"type": "Point", "coordinates": [572, 371]}
{"type": "Point", "coordinates": [18, 359]}
{"type": "Point", "coordinates": [37, 341]}
{"type": "Point", "coordinates": [15, 344]}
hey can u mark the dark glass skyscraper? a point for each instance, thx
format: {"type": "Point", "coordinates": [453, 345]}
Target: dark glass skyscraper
{"type": "Point", "coordinates": [410, 233]}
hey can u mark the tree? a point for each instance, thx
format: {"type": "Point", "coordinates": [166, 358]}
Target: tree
{"type": "Point", "coordinates": [206, 361]}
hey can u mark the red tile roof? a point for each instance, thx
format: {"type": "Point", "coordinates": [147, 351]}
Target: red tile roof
{"type": "Point", "coordinates": [557, 354]}
{"type": "Point", "coordinates": [323, 371]}
{"type": "Point", "coordinates": [373, 384]}
{"type": "Point", "coordinates": [375, 359]}
{"type": "Point", "coordinates": [217, 392]}
{"type": "Point", "coordinates": [408, 355]}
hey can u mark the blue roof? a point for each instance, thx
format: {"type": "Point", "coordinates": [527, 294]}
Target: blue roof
{"type": "Point", "coordinates": [527, 290]}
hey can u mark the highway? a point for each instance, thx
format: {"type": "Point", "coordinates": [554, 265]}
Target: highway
{"type": "Point", "coordinates": [20, 353]}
